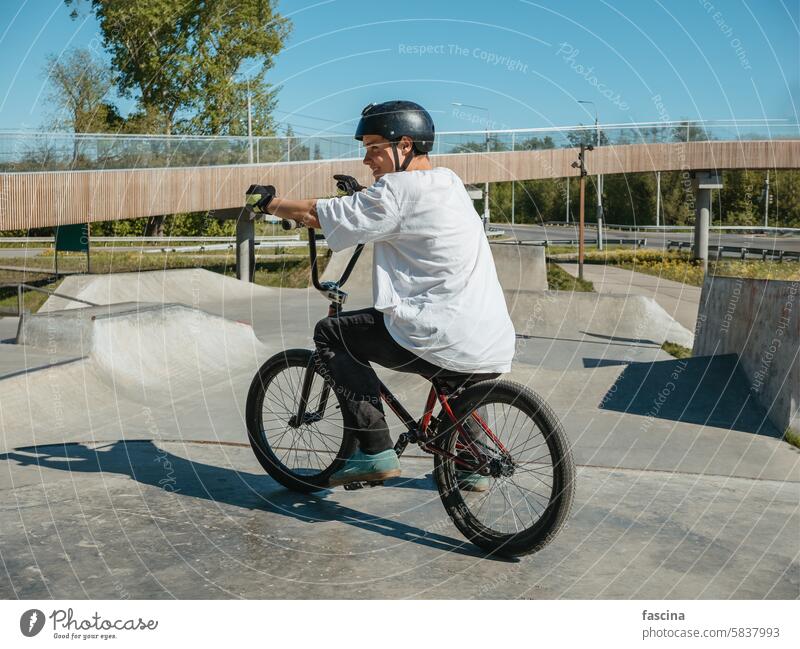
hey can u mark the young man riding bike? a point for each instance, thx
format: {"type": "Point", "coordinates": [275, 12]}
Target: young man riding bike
{"type": "Point", "coordinates": [438, 308]}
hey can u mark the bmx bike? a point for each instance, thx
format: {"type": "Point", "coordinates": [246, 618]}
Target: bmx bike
{"type": "Point", "coordinates": [300, 431]}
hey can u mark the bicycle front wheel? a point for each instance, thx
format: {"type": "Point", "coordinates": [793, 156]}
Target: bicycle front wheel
{"type": "Point", "coordinates": [527, 473]}
{"type": "Point", "coordinates": [300, 455]}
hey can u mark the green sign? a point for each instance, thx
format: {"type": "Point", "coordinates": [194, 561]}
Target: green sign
{"type": "Point", "coordinates": [73, 238]}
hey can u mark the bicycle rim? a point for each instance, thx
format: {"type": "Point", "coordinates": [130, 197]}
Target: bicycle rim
{"type": "Point", "coordinates": [521, 511]}
{"type": "Point", "coordinates": [297, 455]}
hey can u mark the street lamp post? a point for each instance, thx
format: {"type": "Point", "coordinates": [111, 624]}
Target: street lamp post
{"type": "Point", "coordinates": [599, 177]}
{"type": "Point", "coordinates": [486, 185]}
{"type": "Point", "coordinates": [580, 164]}
{"type": "Point", "coordinates": [249, 123]}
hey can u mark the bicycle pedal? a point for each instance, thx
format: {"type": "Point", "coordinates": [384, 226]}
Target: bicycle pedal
{"type": "Point", "coordinates": [352, 486]}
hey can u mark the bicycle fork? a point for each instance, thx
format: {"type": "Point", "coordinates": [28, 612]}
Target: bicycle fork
{"type": "Point", "coordinates": [303, 416]}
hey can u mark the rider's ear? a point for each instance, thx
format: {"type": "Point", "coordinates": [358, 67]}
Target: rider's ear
{"type": "Point", "coordinates": [405, 144]}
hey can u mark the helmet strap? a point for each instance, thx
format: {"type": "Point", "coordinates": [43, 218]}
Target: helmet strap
{"type": "Point", "coordinates": [406, 162]}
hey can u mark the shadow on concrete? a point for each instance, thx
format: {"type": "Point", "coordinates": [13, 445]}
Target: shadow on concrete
{"type": "Point", "coordinates": [611, 341]}
{"type": "Point", "coordinates": [148, 464]}
{"type": "Point", "coordinates": [622, 339]}
{"type": "Point", "coordinates": [603, 362]}
{"type": "Point", "coordinates": [705, 390]}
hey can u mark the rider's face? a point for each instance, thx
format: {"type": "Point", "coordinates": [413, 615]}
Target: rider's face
{"type": "Point", "coordinates": [378, 153]}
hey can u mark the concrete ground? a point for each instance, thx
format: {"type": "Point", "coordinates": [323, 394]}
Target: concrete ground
{"type": "Point", "coordinates": [109, 493]}
{"type": "Point", "coordinates": [680, 300]}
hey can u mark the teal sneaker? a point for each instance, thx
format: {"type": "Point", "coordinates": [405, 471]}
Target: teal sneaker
{"type": "Point", "coordinates": [468, 481]}
{"type": "Point", "coordinates": [367, 468]}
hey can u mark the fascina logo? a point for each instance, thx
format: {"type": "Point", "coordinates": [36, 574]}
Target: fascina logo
{"type": "Point", "coordinates": [31, 622]}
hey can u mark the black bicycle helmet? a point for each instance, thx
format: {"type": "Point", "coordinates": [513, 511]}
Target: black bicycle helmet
{"type": "Point", "coordinates": [394, 119]}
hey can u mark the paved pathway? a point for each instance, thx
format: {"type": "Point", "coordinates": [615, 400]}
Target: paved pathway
{"type": "Point", "coordinates": [679, 300]}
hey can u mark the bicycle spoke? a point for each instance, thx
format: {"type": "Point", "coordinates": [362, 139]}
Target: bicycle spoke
{"type": "Point", "coordinates": [515, 503]}
{"type": "Point", "coordinates": [312, 446]}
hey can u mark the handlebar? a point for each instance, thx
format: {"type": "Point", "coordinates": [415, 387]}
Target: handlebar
{"type": "Point", "coordinates": [331, 290]}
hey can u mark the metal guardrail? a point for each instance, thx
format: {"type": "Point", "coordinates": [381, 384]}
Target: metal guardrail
{"type": "Point", "coordinates": [22, 151]}
{"type": "Point", "coordinates": [743, 252]}
{"type": "Point", "coordinates": [679, 228]}
{"type": "Point", "coordinates": [636, 243]}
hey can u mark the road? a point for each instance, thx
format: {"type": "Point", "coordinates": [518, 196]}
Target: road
{"type": "Point", "coordinates": [654, 239]}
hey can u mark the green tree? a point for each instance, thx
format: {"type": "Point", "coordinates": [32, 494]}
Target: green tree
{"type": "Point", "coordinates": [535, 143]}
{"type": "Point", "coordinates": [686, 132]}
{"type": "Point", "coordinates": [784, 210]}
{"type": "Point", "coordinates": [586, 136]}
{"type": "Point", "coordinates": [295, 147]}
{"type": "Point", "coordinates": [79, 84]}
{"type": "Point", "coordinates": [181, 61]}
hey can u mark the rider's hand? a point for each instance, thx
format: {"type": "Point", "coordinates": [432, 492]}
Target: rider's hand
{"type": "Point", "coordinates": [259, 197]}
{"type": "Point", "coordinates": [347, 184]}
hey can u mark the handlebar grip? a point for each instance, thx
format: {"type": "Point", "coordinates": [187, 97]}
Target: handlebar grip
{"type": "Point", "coordinates": [290, 224]}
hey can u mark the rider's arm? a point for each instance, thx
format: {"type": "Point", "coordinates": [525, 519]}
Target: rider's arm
{"type": "Point", "coordinates": [304, 212]}
{"type": "Point", "coordinates": [369, 215]}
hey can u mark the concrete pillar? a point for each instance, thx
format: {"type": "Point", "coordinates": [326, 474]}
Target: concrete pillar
{"type": "Point", "coordinates": [245, 248]}
{"type": "Point", "coordinates": [704, 182]}
{"type": "Point", "coordinates": [599, 227]}
{"type": "Point", "coordinates": [701, 222]}
{"type": "Point", "coordinates": [600, 214]}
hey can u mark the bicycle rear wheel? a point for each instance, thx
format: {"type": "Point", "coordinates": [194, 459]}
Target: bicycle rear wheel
{"type": "Point", "coordinates": [529, 466]}
{"type": "Point", "coordinates": [299, 455]}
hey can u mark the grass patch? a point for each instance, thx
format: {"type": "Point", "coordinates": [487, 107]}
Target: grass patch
{"type": "Point", "coordinates": [560, 280]}
{"type": "Point", "coordinates": [573, 250]}
{"type": "Point", "coordinates": [678, 266]}
{"type": "Point", "coordinates": [32, 300]}
{"type": "Point", "coordinates": [792, 436]}
{"type": "Point", "coordinates": [676, 350]}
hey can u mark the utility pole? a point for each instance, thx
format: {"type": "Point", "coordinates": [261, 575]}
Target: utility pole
{"type": "Point", "coordinates": [486, 190]}
{"type": "Point", "coordinates": [599, 181]}
{"type": "Point", "coordinates": [580, 164]}
{"type": "Point", "coordinates": [249, 122]}
{"type": "Point", "coordinates": [658, 198]}
{"type": "Point", "coordinates": [766, 201]}
{"type": "Point", "coordinates": [567, 219]}
{"type": "Point", "coordinates": [513, 182]}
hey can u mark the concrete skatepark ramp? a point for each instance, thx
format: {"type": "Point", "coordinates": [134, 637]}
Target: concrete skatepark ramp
{"type": "Point", "coordinates": [195, 287]}
{"type": "Point", "coordinates": [122, 357]}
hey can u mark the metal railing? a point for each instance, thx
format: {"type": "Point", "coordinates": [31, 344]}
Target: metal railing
{"type": "Point", "coordinates": [21, 298]}
{"type": "Point", "coordinates": [25, 151]}
{"type": "Point", "coordinates": [672, 228]}
{"type": "Point", "coordinates": [742, 252]}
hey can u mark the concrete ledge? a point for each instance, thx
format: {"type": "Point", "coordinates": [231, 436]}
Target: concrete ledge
{"type": "Point", "coordinates": [758, 320]}
{"type": "Point", "coordinates": [520, 266]}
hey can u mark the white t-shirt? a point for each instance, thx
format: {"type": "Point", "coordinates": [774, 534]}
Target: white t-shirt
{"type": "Point", "coordinates": [433, 275]}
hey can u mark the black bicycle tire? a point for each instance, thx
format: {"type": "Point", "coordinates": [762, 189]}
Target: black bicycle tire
{"type": "Point", "coordinates": [556, 513]}
{"type": "Point", "coordinates": [259, 441]}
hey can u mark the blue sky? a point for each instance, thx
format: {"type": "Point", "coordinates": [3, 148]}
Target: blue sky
{"type": "Point", "coordinates": [525, 62]}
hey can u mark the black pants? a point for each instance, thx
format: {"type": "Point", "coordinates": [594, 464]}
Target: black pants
{"type": "Point", "coordinates": [347, 344]}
